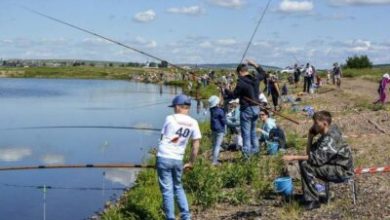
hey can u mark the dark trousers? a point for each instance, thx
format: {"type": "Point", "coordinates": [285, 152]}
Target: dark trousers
{"type": "Point", "coordinates": [275, 98]}
{"type": "Point", "coordinates": [307, 84]}
{"type": "Point", "coordinates": [311, 174]}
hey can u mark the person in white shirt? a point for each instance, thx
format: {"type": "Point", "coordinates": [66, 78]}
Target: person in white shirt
{"type": "Point", "coordinates": [308, 78]}
{"type": "Point", "coordinates": [176, 132]}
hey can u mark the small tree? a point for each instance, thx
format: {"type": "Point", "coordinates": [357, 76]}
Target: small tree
{"type": "Point", "coordinates": [359, 62]}
{"type": "Point", "coordinates": [163, 64]}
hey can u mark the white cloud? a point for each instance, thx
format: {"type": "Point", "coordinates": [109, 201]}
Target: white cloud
{"type": "Point", "coordinates": [226, 42]}
{"type": "Point", "coordinates": [359, 2]}
{"type": "Point", "coordinates": [14, 154]}
{"type": "Point", "coordinates": [145, 43]}
{"type": "Point", "coordinates": [191, 10]}
{"type": "Point", "coordinates": [145, 16]}
{"type": "Point", "coordinates": [296, 6]}
{"type": "Point", "coordinates": [205, 44]}
{"type": "Point", "coordinates": [228, 3]}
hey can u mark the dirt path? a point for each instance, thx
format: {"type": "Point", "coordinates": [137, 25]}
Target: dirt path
{"type": "Point", "coordinates": [351, 107]}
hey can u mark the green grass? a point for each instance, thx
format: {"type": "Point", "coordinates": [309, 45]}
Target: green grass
{"type": "Point", "coordinates": [79, 72]}
{"type": "Point", "coordinates": [236, 183]}
{"type": "Point", "coordinates": [373, 74]}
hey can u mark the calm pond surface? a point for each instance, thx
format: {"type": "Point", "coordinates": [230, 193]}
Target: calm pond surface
{"type": "Point", "coordinates": [52, 121]}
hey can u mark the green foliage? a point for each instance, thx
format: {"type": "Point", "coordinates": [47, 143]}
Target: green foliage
{"type": "Point", "coordinates": [295, 141]}
{"type": "Point", "coordinates": [236, 196]}
{"type": "Point", "coordinates": [232, 175]}
{"type": "Point", "coordinates": [358, 62]}
{"type": "Point", "coordinates": [143, 201]}
{"type": "Point", "coordinates": [204, 183]}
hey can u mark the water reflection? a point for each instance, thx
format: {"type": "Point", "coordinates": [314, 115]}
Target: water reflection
{"type": "Point", "coordinates": [53, 159]}
{"type": "Point", "coordinates": [14, 154]}
{"type": "Point", "coordinates": [125, 177]}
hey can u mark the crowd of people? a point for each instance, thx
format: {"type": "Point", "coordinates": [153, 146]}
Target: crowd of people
{"type": "Point", "coordinates": [235, 113]}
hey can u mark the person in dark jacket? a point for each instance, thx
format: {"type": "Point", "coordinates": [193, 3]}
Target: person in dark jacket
{"type": "Point", "coordinates": [329, 159]}
{"type": "Point", "coordinates": [275, 91]}
{"type": "Point", "coordinates": [297, 75]}
{"type": "Point", "coordinates": [247, 89]}
{"type": "Point", "coordinates": [217, 123]}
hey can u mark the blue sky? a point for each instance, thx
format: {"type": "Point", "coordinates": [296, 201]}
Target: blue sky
{"type": "Point", "coordinates": [204, 31]}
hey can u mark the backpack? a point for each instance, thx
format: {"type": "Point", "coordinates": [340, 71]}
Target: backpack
{"type": "Point", "coordinates": [277, 135]}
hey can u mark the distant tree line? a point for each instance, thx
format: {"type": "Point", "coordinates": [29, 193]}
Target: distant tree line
{"type": "Point", "coordinates": [358, 62]}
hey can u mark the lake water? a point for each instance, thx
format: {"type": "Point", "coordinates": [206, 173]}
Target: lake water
{"type": "Point", "coordinates": [50, 121]}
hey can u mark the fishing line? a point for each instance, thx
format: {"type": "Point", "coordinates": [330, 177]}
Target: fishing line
{"type": "Point", "coordinates": [99, 36]}
{"type": "Point", "coordinates": [254, 32]}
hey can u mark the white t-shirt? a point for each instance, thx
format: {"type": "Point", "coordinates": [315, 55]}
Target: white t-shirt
{"type": "Point", "coordinates": [177, 130]}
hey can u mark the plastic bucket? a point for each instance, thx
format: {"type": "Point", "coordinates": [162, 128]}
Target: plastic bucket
{"type": "Point", "coordinates": [284, 186]}
{"type": "Point", "coordinates": [272, 147]}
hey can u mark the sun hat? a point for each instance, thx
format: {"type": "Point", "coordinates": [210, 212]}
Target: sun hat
{"type": "Point", "coordinates": [213, 101]}
{"type": "Point", "coordinates": [386, 75]}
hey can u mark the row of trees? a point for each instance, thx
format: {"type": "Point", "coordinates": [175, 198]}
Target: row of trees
{"type": "Point", "coordinates": [358, 62]}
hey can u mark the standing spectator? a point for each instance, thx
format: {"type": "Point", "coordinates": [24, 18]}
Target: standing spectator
{"type": "Point", "coordinates": [297, 75]}
{"type": "Point", "coordinates": [227, 95]}
{"type": "Point", "coordinates": [308, 78]}
{"type": "Point", "coordinates": [248, 89]}
{"type": "Point", "coordinates": [337, 74]}
{"type": "Point", "coordinates": [176, 132]}
{"type": "Point", "coordinates": [274, 90]}
{"type": "Point", "coordinates": [217, 123]}
{"type": "Point", "coordinates": [383, 89]}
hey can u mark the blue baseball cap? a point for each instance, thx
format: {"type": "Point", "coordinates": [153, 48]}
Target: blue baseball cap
{"type": "Point", "coordinates": [181, 100]}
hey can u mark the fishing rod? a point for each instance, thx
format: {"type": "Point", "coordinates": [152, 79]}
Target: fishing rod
{"type": "Point", "coordinates": [99, 36]}
{"type": "Point", "coordinates": [275, 112]}
{"type": "Point", "coordinates": [80, 166]}
{"type": "Point", "coordinates": [255, 31]}
{"type": "Point", "coordinates": [84, 126]}
{"type": "Point", "coordinates": [63, 187]}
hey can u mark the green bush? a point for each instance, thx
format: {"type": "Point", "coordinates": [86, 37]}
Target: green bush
{"type": "Point", "coordinates": [204, 184]}
{"type": "Point", "coordinates": [232, 175]}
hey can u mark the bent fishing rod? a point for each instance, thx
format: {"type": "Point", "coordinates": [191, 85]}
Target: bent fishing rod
{"type": "Point", "coordinates": [84, 127]}
{"type": "Point", "coordinates": [80, 166]}
{"type": "Point", "coordinates": [100, 36]}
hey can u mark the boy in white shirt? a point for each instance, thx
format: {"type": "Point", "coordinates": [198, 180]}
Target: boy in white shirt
{"type": "Point", "coordinates": [176, 132]}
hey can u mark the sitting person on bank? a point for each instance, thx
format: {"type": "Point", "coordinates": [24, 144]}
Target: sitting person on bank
{"type": "Point", "coordinates": [233, 123]}
{"type": "Point", "coordinates": [329, 159]}
{"type": "Point", "coordinates": [268, 124]}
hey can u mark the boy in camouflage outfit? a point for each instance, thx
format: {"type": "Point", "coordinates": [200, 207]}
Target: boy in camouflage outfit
{"type": "Point", "coordinates": [328, 159]}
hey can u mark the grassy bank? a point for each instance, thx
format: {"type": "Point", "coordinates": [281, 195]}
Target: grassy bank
{"type": "Point", "coordinates": [370, 74]}
{"type": "Point", "coordinates": [235, 182]}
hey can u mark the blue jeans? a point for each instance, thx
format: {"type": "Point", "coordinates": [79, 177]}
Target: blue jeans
{"type": "Point", "coordinates": [169, 178]}
{"type": "Point", "coordinates": [248, 119]}
{"type": "Point", "coordinates": [217, 141]}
